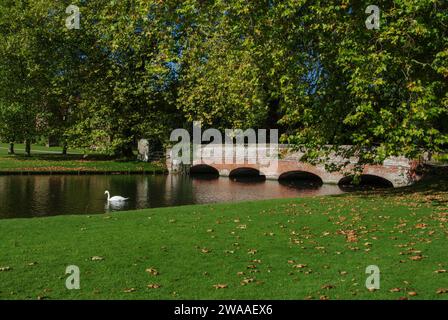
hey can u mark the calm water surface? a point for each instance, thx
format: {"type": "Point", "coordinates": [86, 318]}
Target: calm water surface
{"type": "Point", "coordinates": [33, 196]}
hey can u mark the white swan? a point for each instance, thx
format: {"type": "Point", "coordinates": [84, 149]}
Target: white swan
{"type": "Point", "coordinates": [114, 198]}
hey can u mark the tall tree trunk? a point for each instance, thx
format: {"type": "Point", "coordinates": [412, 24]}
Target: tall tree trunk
{"type": "Point", "coordinates": [28, 147]}
{"type": "Point", "coordinates": [11, 148]}
{"type": "Point", "coordinates": [64, 148]}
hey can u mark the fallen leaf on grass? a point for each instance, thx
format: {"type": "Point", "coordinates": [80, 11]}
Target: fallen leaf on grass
{"type": "Point", "coordinates": [440, 271]}
{"type": "Point", "coordinates": [327, 286]}
{"type": "Point", "coordinates": [350, 235]}
{"type": "Point", "coordinates": [414, 251]}
{"type": "Point", "coordinates": [5, 269]}
{"type": "Point", "coordinates": [421, 226]}
{"type": "Point", "coordinates": [252, 251]}
{"type": "Point", "coordinates": [416, 258]}
{"type": "Point", "coordinates": [247, 281]}
{"type": "Point", "coordinates": [205, 250]}
{"type": "Point", "coordinates": [300, 266]}
{"type": "Point", "coordinates": [395, 290]}
{"type": "Point", "coordinates": [220, 286]}
{"type": "Point", "coordinates": [154, 286]}
{"type": "Point", "coordinates": [129, 290]}
{"type": "Point", "coordinates": [412, 293]}
{"type": "Point", "coordinates": [152, 271]}
{"type": "Point", "coordinates": [96, 258]}
{"type": "Point", "coordinates": [309, 272]}
{"type": "Point", "coordinates": [442, 290]}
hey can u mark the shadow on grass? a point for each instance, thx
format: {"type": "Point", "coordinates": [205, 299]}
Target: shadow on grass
{"type": "Point", "coordinates": [68, 157]}
{"type": "Point", "coordinates": [431, 188]}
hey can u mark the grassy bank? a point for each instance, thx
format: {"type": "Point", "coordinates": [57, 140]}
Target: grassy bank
{"type": "Point", "coordinates": [312, 248]}
{"type": "Point", "coordinates": [50, 160]}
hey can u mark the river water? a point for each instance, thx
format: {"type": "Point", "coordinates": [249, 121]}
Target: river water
{"type": "Point", "coordinates": [47, 195]}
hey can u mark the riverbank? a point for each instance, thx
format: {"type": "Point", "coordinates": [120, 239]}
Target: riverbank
{"type": "Point", "coordinates": [50, 161]}
{"type": "Point", "coordinates": [310, 248]}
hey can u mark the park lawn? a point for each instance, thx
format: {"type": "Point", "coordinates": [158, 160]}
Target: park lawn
{"type": "Point", "coordinates": [50, 160]}
{"type": "Point", "coordinates": [20, 149]}
{"type": "Point", "coordinates": [57, 164]}
{"type": "Point", "coordinates": [310, 248]}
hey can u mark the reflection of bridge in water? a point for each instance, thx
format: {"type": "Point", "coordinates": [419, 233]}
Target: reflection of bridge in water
{"type": "Point", "coordinates": [394, 171]}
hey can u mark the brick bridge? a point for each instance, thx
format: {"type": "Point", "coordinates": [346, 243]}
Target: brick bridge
{"type": "Point", "coordinates": [395, 171]}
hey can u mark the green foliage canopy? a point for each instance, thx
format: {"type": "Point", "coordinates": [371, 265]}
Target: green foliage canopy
{"type": "Point", "coordinates": [308, 67]}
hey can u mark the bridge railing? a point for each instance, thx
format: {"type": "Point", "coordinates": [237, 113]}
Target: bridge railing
{"type": "Point", "coordinates": [253, 153]}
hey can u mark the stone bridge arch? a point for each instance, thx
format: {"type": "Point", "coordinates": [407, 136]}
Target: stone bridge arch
{"type": "Point", "coordinates": [302, 176]}
{"type": "Point", "coordinates": [243, 173]}
{"type": "Point", "coordinates": [396, 175]}
{"type": "Point", "coordinates": [367, 179]}
{"type": "Point", "coordinates": [203, 169]}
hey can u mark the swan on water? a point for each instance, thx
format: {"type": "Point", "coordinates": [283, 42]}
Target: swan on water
{"type": "Point", "coordinates": [114, 198]}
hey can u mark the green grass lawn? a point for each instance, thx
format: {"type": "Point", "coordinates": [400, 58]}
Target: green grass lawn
{"type": "Point", "coordinates": [20, 149]}
{"type": "Point", "coordinates": [311, 248]}
{"type": "Point", "coordinates": [44, 160]}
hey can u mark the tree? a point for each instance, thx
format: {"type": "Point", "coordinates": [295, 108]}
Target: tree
{"type": "Point", "coordinates": [315, 67]}
{"type": "Point", "coordinates": [126, 78]}
{"type": "Point", "coordinates": [22, 75]}
{"type": "Point", "coordinates": [383, 91]}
